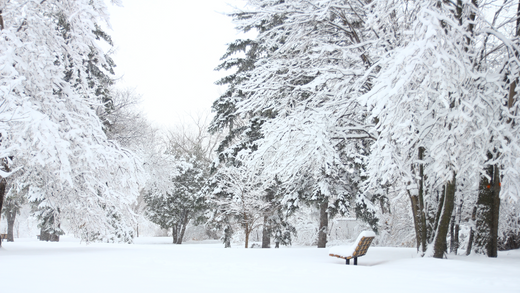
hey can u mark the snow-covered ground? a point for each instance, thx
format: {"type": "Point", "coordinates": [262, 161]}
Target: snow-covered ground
{"type": "Point", "coordinates": [155, 265]}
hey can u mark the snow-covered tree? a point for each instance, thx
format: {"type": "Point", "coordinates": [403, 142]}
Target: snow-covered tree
{"type": "Point", "coordinates": [53, 132]}
{"type": "Point", "coordinates": [375, 100]}
{"type": "Point", "coordinates": [174, 198]}
{"type": "Point", "coordinates": [235, 197]}
{"type": "Point", "coordinates": [13, 204]}
{"type": "Point", "coordinates": [302, 88]}
{"type": "Point", "coordinates": [182, 202]}
{"type": "Point", "coordinates": [438, 100]}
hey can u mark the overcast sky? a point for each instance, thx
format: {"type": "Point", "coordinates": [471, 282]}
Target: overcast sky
{"type": "Point", "coordinates": [167, 51]}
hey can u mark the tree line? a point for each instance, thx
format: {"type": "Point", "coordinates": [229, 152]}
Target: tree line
{"type": "Point", "coordinates": [402, 114]}
{"type": "Point", "coordinates": [356, 106]}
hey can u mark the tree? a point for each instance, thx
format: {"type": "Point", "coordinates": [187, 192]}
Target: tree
{"type": "Point", "coordinates": [126, 124]}
{"type": "Point", "coordinates": [175, 200]}
{"type": "Point", "coordinates": [50, 224]}
{"type": "Point", "coordinates": [12, 206]}
{"type": "Point", "coordinates": [353, 104]}
{"type": "Point", "coordinates": [235, 194]}
{"type": "Point", "coordinates": [300, 89]}
{"type": "Point", "coordinates": [276, 224]}
{"type": "Point", "coordinates": [181, 203]}
{"type": "Point", "coordinates": [431, 90]}
{"type": "Point", "coordinates": [54, 134]}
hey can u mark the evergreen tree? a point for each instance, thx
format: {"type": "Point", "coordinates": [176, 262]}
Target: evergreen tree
{"type": "Point", "coordinates": [50, 226]}
{"type": "Point", "coordinates": [182, 202]}
{"type": "Point", "coordinates": [310, 49]}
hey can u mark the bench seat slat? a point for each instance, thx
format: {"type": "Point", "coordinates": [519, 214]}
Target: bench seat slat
{"type": "Point", "coordinates": [359, 248]}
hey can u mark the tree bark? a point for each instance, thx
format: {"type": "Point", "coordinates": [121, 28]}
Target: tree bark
{"type": "Point", "coordinates": [174, 234]}
{"type": "Point", "coordinates": [2, 196]}
{"type": "Point", "coordinates": [247, 231]}
{"type": "Point", "coordinates": [415, 211]}
{"type": "Point", "coordinates": [456, 241]}
{"type": "Point", "coordinates": [455, 244]}
{"type": "Point", "coordinates": [183, 229]}
{"type": "Point", "coordinates": [1, 20]}
{"type": "Point", "coordinates": [471, 231]}
{"type": "Point", "coordinates": [422, 212]}
{"type": "Point", "coordinates": [493, 247]}
{"type": "Point", "coordinates": [228, 233]}
{"type": "Point", "coordinates": [266, 233]}
{"type": "Point", "coordinates": [324, 223]}
{"type": "Point", "coordinates": [512, 87]}
{"type": "Point", "coordinates": [11, 217]}
{"type": "Point", "coordinates": [439, 211]}
{"type": "Point", "coordinates": [488, 210]}
{"type": "Point", "coordinates": [439, 247]}
{"type": "Point", "coordinates": [452, 233]}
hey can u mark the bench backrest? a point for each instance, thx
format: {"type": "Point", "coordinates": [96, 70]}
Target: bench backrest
{"type": "Point", "coordinates": [362, 246]}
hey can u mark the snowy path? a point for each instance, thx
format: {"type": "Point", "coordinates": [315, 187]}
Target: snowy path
{"type": "Point", "coordinates": [154, 265]}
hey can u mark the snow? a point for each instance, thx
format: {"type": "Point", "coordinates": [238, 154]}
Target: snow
{"type": "Point", "coordinates": [348, 250]}
{"type": "Point", "coordinates": [155, 265]}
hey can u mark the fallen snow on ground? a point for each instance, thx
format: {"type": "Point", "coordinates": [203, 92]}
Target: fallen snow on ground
{"type": "Point", "coordinates": [155, 265]}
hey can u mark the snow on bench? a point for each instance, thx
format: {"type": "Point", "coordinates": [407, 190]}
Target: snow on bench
{"type": "Point", "coordinates": [359, 248]}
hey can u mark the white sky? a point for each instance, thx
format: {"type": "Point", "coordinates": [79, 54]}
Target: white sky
{"type": "Point", "coordinates": [167, 51]}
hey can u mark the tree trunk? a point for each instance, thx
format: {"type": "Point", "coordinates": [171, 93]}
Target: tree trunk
{"type": "Point", "coordinates": [470, 241]}
{"type": "Point", "coordinates": [493, 246]}
{"type": "Point", "coordinates": [247, 231]}
{"type": "Point", "coordinates": [419, 221]}
{"type": "Point", "coordinates": [452, 233]}
{"type": "Point", "coordinates": [3, 184]}
{"type": "Point", "coordinates": [54, 237]}
{"type": "Point", "coordinates": [439, 212]}
{"type": "Point", "coordinates": [183, 229]}
{"type": "Point", "coordinates": [49, 236]}
{"type": "Point", "coordinates": [1, 26]}
{"type": "Point", "coordinates": [439, 247]}
{"type": "Point", "coordinates": [11, 216]}
{"type": "Point", "coordinates": [266, 233]}
{"type": "Point", "coordinates": [324, 223]}
{"type": "Point", "coordinates": [488, 209]}
{"type": "Point", "coordinates": [174, 233]}
{"type": "Point", "coordinates": [456, 241]}
{"type": "Point", "coordinates": [422, 213]}
{"type": "Point", "coordinates": [44, 236]}
{"type": "Point", "coordinates": [471, 231]}
{"type": "Point", "coordinates": [228, 233]}
{"type": "Point", "coordinates": [415, 211]}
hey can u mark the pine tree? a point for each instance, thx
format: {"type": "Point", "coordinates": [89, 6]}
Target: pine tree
{"type": "Point", "coordinates": [182, 203]}
{"type": "Point", "coordinates": [313, 61]}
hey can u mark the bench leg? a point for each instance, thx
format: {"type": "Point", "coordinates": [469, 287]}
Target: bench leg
{"type": "Point", "coordinates": [355, 261]}
{"type": "Point", "coordinates": [348, 261]}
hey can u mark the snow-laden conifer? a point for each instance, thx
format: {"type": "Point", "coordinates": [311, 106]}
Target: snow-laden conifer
{"type": "Point", "coordinates": [50, 127]}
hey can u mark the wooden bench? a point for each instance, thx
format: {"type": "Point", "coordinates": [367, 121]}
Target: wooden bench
{"type": "Point", "coordinates": [358, 249]}
{"type": "Point", "coordinates": [3, 236]}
